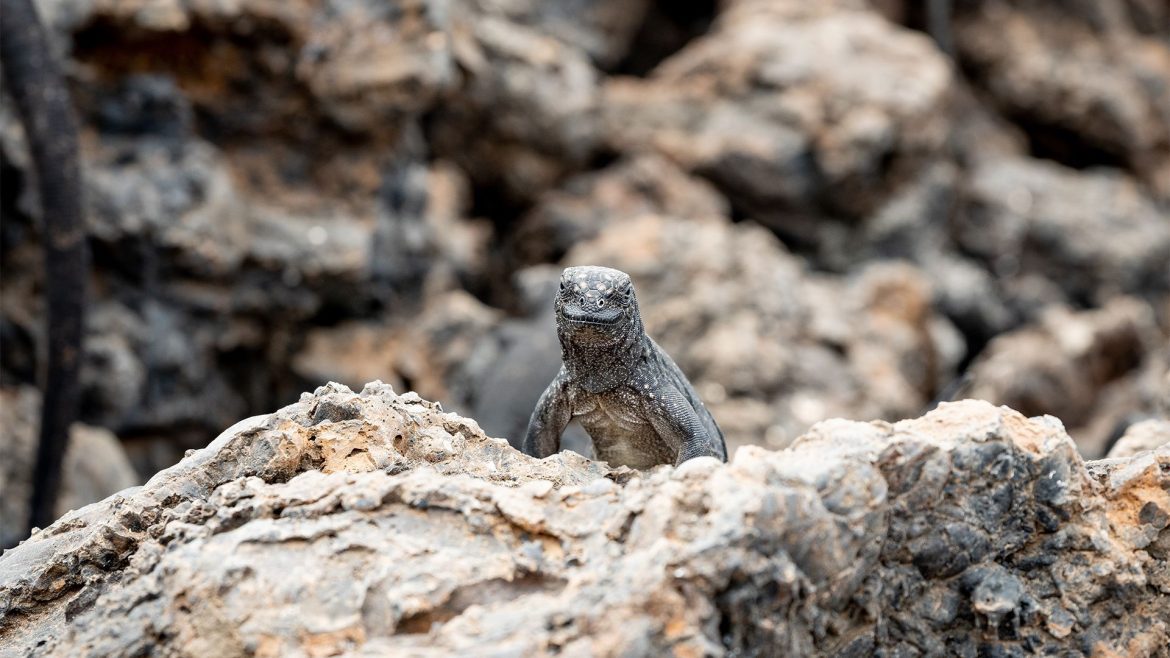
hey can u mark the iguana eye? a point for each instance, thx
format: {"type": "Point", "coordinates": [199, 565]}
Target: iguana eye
{"type": "Point", "coordinates": [601, 303]}
{"type": "Point", "coordinates": [564, 284]}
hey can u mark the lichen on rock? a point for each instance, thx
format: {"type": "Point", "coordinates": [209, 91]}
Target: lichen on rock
{"type": "Point", "coordinates": [375, 523]}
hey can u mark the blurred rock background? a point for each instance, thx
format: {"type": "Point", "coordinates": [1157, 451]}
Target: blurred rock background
{"type": "Point", "coordinates": [830, 209]}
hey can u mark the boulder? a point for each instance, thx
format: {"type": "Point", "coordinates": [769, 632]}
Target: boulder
{"type": "Point", "coordinates": [375, 523]}
{"type": "Point", "coordinates": [1084, 80]}
{"type": "Point", "coordinates": [281, 194]}
{"type": "Point", "coordinates": [791, 109]}
{"type": "Point", "coordinates": [1052, 234]}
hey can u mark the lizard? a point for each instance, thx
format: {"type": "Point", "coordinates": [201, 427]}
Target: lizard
{"type": "Point", "coordinates": [627, 393]}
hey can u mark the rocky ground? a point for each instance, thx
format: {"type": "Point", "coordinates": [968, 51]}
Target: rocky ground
{"type": "Point", "coordinates": [828, 212]}
{"type": "Point", "coordinates": [374, 523]}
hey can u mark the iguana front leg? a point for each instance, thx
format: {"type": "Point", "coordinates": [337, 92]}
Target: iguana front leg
{"type": "Point", "coordinates": [674, 419]}
{"type": "Point", "coordinates": [552, 414]}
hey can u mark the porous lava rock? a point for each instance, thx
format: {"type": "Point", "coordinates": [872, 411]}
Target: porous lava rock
{"type": "Point", "coordinates": [374, 523]}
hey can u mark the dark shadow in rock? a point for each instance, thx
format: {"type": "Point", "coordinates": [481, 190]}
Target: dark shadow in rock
{"type": "Point", "coordinates": [668, 28]}
{"type": "Point", "coordinates": [1068, 147]}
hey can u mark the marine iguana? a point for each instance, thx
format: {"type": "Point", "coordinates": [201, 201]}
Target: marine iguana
{"type": "Point", "coordinates": [634, 402]}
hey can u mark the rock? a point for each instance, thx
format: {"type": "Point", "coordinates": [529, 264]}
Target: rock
{"type": "Point", "coordinates": [362, 66]}
{"type": "Point", "coordinates": [603, 29]}
{"type": "Point", "coordinates": [790, 109]}
{"type": "Point", "coordinates": [95, 464]}
{"type": "Point", "coordinates": [366, 62]}
{"type": "Point", "coordinates": [423, 243]}
{"type": "Point", "coordinates": [401, 529]}
{"type": "Point", "coordinates": [173, 196]}
{"type": "Point", "coordinates": [143, 106]}
{"type": "Point", "coordinates": [1086, 81]}
{"type": "Point", "coordinates": [1015, 239]}
{"type": "Point", "coordinates": [349, 353]}
{"type": "Point", "coordinates": [1138, 495]}
{"type": "Point", "coordinates": [155, 366]}
{"type": "Point", "coordinates": [914, 224]}
{"type": "Point", "coordinates": [431, 353]}
{"type": "Point", "coordinates": [1067, 363]}
{"type": "Point", "coordinates": [584, 205]}
{"type": "Point", "coordinates": [278, 192]}
{"type": "Point", "coordinates": [206, 283]}
{"type": "Point", "coordinates": [1147, 435]}
{"type": "Point", "coordinates": [458, 351]}
{"type": "Point", "coordinates": [528, 113]}
{"type": "Point", "coordinates": [1056, 234]}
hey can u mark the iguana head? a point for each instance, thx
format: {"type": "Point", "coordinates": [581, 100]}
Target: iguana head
{"type": "Point", "coordinates": [596, 306]}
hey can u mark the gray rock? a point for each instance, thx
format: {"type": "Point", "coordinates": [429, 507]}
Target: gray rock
{"type": "Point", "coordinates": [1096, 369]}
{"type": "Point", "coordinates": [95, 463]}
{"type": "Point", "coordinates": [528, 113]}
{"type": "Point", "coordinates": [584, 205]}
{"type": "Point", "coordinates": [402, 529]}
{"type": "Point", "coordinates": [278, 191]}
{"type": "Point", "coordinates": [776, 108]}
{"type": "Point", "coordinates": [915, 224]}
{"type": "Point", "coordinates": [603, 29]}
{"type": "Point", "coordinates": [1085, 236]}
{"type": "Point", "coordinates": [1086, 80]}
{"type": "Point", "coordinates": [203, 282]}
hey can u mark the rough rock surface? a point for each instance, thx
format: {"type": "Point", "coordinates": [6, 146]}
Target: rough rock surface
{"type": "Point", "coordinates": [1088, 235]}
{"type": "Point", "coordinates": [587, 205]}
{"type": "Point", "coordinates": [1096, 370]}
{"type": "Point", "coordinates": [95, 464]}
{"type": "Point", "coordinates": [375, 523]}
{"type": "Point", "coordinates": [1146, 435]}
{"type": "Point", "coordinates": [790, 107]}
{"type": "Point", "coordinates": [1088, 83]}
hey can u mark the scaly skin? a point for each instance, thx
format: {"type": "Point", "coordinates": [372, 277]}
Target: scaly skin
{"type": "Point", "coordinates": [625, 391]}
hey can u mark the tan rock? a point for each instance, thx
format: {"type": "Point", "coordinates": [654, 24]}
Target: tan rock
{"type": "Point", "coordinates": [457, 543]}
{"type": "Point", "coordinates": [1146, 435]}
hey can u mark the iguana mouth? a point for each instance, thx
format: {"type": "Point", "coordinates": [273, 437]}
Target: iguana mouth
{"type": "Point", "coordinates": [600, 318]}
